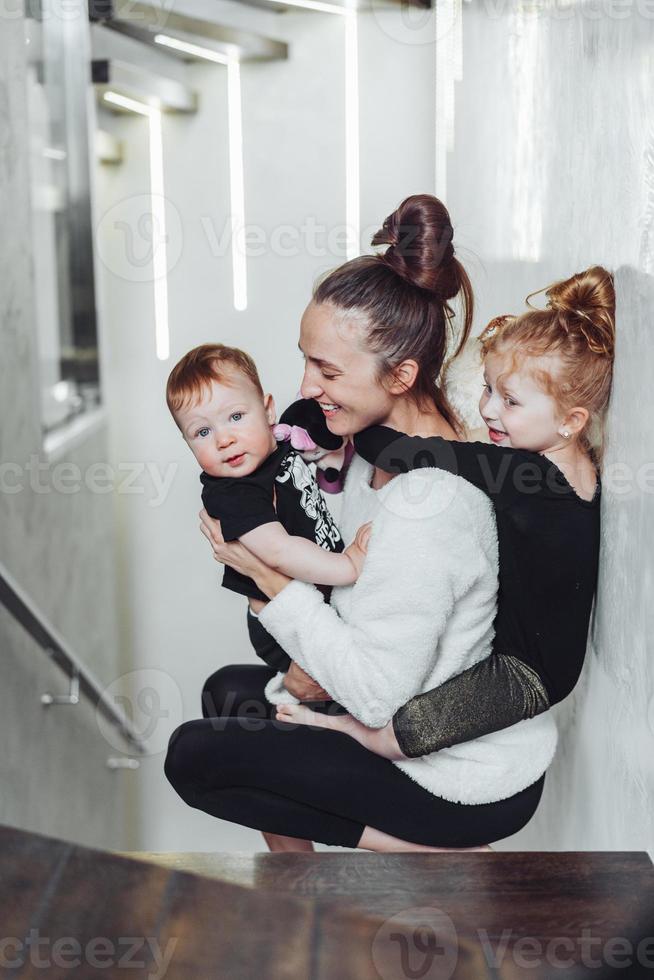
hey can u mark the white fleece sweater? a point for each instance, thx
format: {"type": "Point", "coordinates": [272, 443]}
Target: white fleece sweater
{"type": "Point", "coordinates": [421, 611]}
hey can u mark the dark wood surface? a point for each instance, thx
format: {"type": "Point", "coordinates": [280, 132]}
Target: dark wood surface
{"type": "Point", "coordinates": [327, 915]}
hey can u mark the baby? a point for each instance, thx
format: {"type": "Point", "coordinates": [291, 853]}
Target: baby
{"type": "Point", "coordinates": [264, 494]}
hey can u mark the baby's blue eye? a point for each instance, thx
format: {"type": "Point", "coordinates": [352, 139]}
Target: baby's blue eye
{"type": "Point", "coordinates": [200, 431]}
{"type": "Point", "coordinates": [234, 414]}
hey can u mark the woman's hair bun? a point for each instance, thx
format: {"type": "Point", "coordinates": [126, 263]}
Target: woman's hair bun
{"type": "Point", "coordinates": [419, 237]}
{"type": "Point", "coordinates": [586, 303]}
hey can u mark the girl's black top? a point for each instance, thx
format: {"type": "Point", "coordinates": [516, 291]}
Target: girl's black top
{"type": "Point", "coordinates": [548, 541]}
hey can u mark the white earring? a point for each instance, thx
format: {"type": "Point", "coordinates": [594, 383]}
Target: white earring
{"type": "Point", "coordinates": [565, 434]}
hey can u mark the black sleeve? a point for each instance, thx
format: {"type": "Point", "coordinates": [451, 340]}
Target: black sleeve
{"type": "Point", "coordinates": [499, 471]}
{"type": "Point", "coordinates": [241, 510]}
{"type": "Point", "coordinates": [493, 694]}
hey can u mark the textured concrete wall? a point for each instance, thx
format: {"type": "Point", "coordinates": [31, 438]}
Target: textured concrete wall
{"type": "Point", "coordinates": [57, 545]}
{"type": "Point", "coordinates": [553, 169]}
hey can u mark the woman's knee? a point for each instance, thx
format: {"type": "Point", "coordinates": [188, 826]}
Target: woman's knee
{"type": "Point", "coordinates": [177, 764]}
{"type": "Point", "coordinates": [229, 687]}
{"type": "Point", "coordinates": [219, 690]}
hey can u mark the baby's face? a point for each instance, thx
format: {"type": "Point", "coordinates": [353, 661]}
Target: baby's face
{"type": "Point", "coordinates": [229, 428]}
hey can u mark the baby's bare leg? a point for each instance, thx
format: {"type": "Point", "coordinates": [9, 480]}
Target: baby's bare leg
{"type": "Point", "coordinates": [381, 741]}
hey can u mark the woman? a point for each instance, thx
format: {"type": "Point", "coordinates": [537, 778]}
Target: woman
{"type": "Point", "coordinates": [375, 338]}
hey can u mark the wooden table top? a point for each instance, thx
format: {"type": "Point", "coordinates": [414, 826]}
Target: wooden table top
{"type": "Point", "coordinates": [327, 915]}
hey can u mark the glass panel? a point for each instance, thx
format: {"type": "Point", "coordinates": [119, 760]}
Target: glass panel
{"type": "Point", "coordinates": [58, 106]}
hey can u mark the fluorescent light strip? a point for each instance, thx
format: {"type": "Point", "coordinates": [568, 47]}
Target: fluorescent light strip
{"type": "Point", "coordinates": [158, 205]}
{"type": "Point", "coordinates": [352, 191]}
{"type": "Point", "coordinates": [195, 50]}
{"type": "Point", "coordinates": [236, 179]}
{"type": "Point", "coordinates": [236, 185]}
{"type": "Point", "coordinates": [159, 256]}
{"type": "Point", "coordinates": [324, 8]}
{"type": "Point", "coordinates": [124, 102]}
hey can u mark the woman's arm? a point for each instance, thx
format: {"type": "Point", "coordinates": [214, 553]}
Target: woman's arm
{"type": "Point", "coordinates": [493, 694]}
{"type": "Point", "coordinates": [415, 571]}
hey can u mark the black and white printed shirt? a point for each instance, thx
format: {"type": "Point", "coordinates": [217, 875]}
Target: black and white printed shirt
{"type": "Point", "coordinates": [242, 503]}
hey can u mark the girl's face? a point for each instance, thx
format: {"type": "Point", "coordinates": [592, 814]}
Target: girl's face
{"type": "Point", "coordinates": [516, 409]}
{"type": "Point", "coordinates": [338, 373]}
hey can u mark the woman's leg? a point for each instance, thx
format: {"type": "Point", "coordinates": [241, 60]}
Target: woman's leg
{"type": "Point", "coordinates": [314, 784]}
{"type": "Point", "coordinates": [237, 690]}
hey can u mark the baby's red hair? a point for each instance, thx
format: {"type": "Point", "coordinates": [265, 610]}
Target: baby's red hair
{"type": "Point", "coordinates": [196, 371]}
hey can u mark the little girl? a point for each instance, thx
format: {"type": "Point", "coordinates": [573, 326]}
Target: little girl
{"type": "Point", "coordinates": [264, 494]}
{"type": "Point", "coordinates": [547, 378]}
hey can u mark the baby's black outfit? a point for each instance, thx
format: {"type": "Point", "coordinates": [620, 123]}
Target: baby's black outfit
{"type": "Point", "coordinates": [245, 502]}
{"type": "Point", "coordinates": [242, 503]}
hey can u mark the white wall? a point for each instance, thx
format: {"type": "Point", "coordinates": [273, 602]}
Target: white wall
{"type": "Point", "coordinates": [175, 618]}
{"type": "Point", "coordinates": [553, 170]}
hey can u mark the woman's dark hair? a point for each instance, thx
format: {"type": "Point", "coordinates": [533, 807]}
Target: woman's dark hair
{"type": "Point", "coordinates": [404, 293]}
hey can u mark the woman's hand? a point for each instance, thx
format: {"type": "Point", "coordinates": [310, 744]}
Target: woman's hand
{"type": "Point", "coordinates": [230, 552]}
{"type": "Point", "coordinates": [298, 683]}
{"type": "Point", "coordinates": [241, 558]}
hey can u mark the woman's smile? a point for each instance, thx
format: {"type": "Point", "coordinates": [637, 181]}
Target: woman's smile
{"type": "Point", "coordinates": [329, 409]}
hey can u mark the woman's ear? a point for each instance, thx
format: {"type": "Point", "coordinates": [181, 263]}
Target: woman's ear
{"type": "Point", "coordinates": [402, 377]}
{"type": "Point", "coordinates": [574, 422]}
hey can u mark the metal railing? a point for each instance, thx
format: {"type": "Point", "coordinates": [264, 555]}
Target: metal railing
{"type": "Point", "coordinates": [82, 680]}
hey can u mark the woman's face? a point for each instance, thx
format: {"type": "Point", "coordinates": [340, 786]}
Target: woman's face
{"type": "Point", "coordinates": [338, 373]}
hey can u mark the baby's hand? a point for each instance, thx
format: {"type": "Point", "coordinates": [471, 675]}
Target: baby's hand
{"type": "Point", "coordinates": [362, 536]}
{"type": "Point", "coordinates": [356, 551]}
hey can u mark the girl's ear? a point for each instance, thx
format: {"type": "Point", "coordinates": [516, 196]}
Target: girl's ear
{"type": "Point", "coordinates": [574, 422]}
{"type": "Point", "coordinates": [269, 406]}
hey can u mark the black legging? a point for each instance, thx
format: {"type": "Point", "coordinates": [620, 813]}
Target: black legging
{"type": "Point", "coordinates": [239, 764]}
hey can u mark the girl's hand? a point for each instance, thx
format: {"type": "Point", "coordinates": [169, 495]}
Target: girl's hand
{"type": "Point", "coordinates": [357, 551]}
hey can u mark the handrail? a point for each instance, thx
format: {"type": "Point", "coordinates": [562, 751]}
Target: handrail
{"type": "Point", "coordinates": [50, 640]}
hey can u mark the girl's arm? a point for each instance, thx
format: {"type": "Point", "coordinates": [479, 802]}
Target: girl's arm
{"type": "Point", "coordinates": [499, 471]}
{"type": "Point", "coordinates": [302, 559]}
{"type": "Point", "coordinates": [493, 694]}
